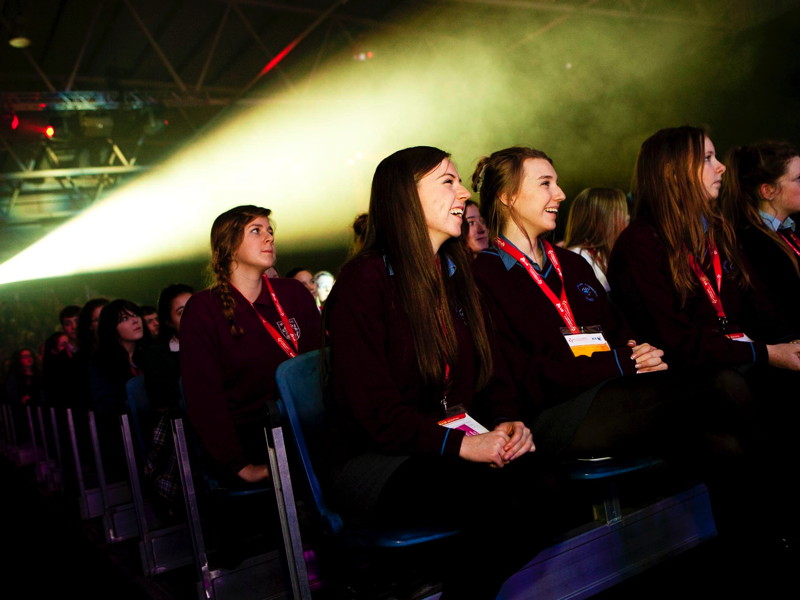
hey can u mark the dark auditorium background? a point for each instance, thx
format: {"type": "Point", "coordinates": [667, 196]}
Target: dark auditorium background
{"type": "Point", "coordinates": [153, 79]}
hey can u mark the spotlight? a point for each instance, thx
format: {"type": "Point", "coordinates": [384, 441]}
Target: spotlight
{"type": "Point", "coordinates": [19, 41]}
{"type": "Point", "coordinates": [19, 38]}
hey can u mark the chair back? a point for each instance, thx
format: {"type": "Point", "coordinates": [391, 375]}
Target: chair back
{"type": "Point", "coordinates": [138, 406]}
{"type": "Point", "coordinates": [300, 387]}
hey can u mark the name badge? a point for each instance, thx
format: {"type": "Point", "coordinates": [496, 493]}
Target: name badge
{"type": "Point", "coordinates": [586, 341]}
{"type": "Point", "coordinates": [458, 418]}
{"type": "Point", "coordinates": [738, 337]}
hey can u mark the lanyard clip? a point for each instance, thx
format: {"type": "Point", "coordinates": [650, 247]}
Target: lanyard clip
{"type": "Point", "coordinates": [723, 325]}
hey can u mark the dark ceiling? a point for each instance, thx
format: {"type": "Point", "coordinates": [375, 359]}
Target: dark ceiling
{"type": "Point", "coordinates": [124, 82]}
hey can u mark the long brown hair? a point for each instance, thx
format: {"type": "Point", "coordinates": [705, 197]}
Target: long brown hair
{"type": "Point", "coordinates": [668, 190]}
{"type": "Point", "coordinates": [227, 233]}
{"type": "Point", "coordinates": [396, 229]}
{"type": "Point", "coordinates": [500, 174]}
{"type": "Point", "coordinates": [596, 218]}
{"type": "Point", "coordinates": [750, 167]}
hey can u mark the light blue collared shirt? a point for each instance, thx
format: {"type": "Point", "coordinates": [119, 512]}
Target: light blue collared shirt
{"type": "Point", "coordinates": [509, 261]}
{"type": "Point", "coordinates": [774, 223]}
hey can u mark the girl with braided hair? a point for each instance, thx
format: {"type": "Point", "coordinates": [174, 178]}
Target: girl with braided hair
{"type": "Point", "coordinates": [233, 337]}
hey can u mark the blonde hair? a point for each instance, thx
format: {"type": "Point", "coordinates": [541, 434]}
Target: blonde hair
{"type": "Point", "coordinates": [596, 218]}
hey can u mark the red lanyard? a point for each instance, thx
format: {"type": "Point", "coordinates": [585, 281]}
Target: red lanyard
{"type": "Point", "coordinates": [714, 297]}
{"type": "Point", "coordinates": [447, 384]}
{"type": "Point", "coordinates": [279, 339]}
{"type": "Point", "coordinates": [792, 240]}
{"type": "Point", "coordinates": [561, 304]}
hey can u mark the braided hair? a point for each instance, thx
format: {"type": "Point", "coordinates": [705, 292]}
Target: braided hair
{"type": "Point", "coordinates": [227, 233]}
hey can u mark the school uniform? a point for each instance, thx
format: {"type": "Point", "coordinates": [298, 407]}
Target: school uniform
{"type": "Point", "coordinates": [560, 387]}
{"type": "Point", "coordinates": [739, 392]}
{"type": "Point", "coordinates": [228, 380]}
{"type": "Point", "coordinates": [394, 465]}
{"type": "Point", "coordinates": [384, 410]}
{"type": "Point", "coordinates": [777, 273]}
{"type": "Point", "coordinates": [690, 333]}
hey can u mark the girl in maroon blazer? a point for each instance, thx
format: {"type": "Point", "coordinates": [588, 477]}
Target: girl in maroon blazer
{"type": "Point", "coordinates": [678, 275]}
{"type": "Point", "coordinates": [408, 350]}
{"type": "Point", "coordinates": [759, 196]}
{"type": "Point", "coordinates": [676, 271]}
{"type": "Point", "coordinates": [233, 337]}
{"type": "Point", "coordinates": [570, 354]}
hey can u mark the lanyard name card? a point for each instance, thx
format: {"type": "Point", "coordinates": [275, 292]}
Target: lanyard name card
{"type": "Point", "coordinates": [561, 304]}
{"type": "Point", "coordinates": [291, 351]}
{"type": "Point", "coordinates": [583, 341]}
{"type": "Point", "coordinates": [715, 296]}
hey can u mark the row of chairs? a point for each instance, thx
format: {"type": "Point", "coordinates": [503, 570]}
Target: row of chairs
{"type": "Point", "coordinates": [613, 546]}
{"type": "Point", "coordinates": [69, 454]}
{"type": "Point", "coordinates": [616, 544]}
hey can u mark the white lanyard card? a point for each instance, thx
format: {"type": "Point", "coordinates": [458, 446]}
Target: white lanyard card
{"type": "Point", "coordinates": [586, 341]}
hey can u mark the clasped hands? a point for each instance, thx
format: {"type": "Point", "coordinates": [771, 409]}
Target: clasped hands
{"type": "Point", "coordinates": [506, 442]}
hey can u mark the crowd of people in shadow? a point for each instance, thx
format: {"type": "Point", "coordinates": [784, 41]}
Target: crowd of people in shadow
{"type": "Point", "coordinates": [471, 353]}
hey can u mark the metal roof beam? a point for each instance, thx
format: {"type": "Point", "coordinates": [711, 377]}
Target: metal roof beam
{"type": "Point", "coordinates": [67, 173]}
{"type": "Point", "coordinates": [87, 36]}
{"type": "Point", "coordinates": [175, 77]}
{"type": "Point", "coordinates": [212, 50]}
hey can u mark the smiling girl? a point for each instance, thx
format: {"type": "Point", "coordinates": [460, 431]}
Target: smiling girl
{"type": "Point", "coordinates": [409, 349]}
{"type": "Point", "coordinates": [569, 353]}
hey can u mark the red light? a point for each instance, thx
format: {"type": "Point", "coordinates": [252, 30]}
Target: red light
{"type": "Point", "coordinates": [278, 58]}
{"type": "Point", "coordinates": [49, 131]}
{"type": "Point", "coordinates": [15, 122]}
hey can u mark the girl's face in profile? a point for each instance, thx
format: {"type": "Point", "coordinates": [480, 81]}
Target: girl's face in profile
{"type": "Point", "coordinates": [257, 249]}
{"type": "Point", "coordinates": [711, 171]}
{"type": "Point", "coordinates": [539, 197]}
{"type": "Point", "coordinates": [442, 198]}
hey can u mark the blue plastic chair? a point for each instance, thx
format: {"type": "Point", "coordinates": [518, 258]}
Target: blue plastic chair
{"type": "Point", "coordinates": [301, 403]}
{"type": "Point", "coordinates": [138, 405]}
{"type": "Point", "coordinates": [608, 471]}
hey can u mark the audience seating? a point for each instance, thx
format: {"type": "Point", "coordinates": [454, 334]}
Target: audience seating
{"type": "Point", "coordinates": [616, 545]}
{"type": "Point", "coordinates": [119, 518]}
{"type": "Point", "coordinates": [91, 499]}
{"type": "Point", "coordinates": [607, 472]}
{"type": "Point", "coordinates": [252, 577]}
{"type": "Point", "coordinates": [299, 385]}
{"type": "Point", "coordinates": [162, 547]}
